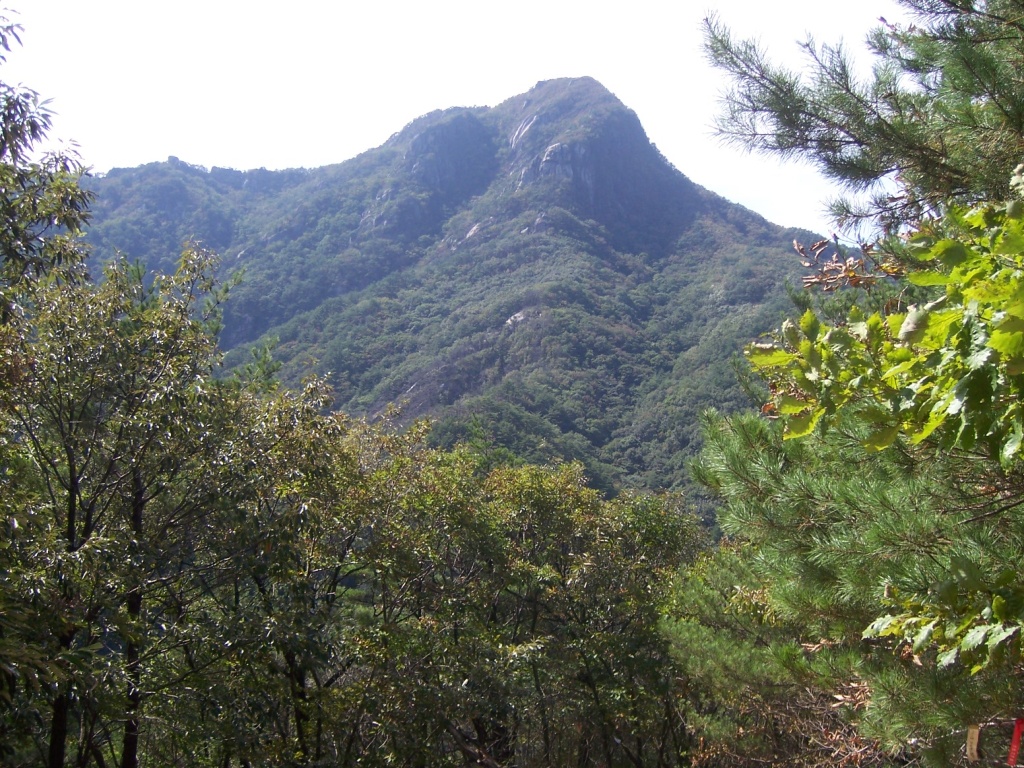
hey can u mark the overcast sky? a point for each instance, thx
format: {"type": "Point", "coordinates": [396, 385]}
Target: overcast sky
{"type": "Point", "coordinates": [313, 82]}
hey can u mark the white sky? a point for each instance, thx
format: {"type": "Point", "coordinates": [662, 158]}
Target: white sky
{"type": "Point", "coordinates": [313, 82]}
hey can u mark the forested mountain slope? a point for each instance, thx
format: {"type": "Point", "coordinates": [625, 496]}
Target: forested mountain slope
{"type": "Point", "coordinates": [535, 275]}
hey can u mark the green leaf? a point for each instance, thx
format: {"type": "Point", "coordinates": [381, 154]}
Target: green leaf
{"type": "Point", "coordinates": [947, 658]}
{"type": "Point", "coordinates": [1011, 324]}
{"type": "Point", "coordinates": [975, 637]}
{"type": "Point", "coordinates": [895, 322]}
{"type": "Point", "coordinates": [1000, 635]}
{"type": "Point", "coordinates": [1016, 309]}
{"type": "Point", "coordinates": [810, 325]}
{"type": "Point", "coordinates": [968, 574]}
{"type": "Point", "coordinates": [1012, 445]}
{"type": "Point", "coordinates": [883, 626]}
{"type": "Point", "coordinates": [1008, 344]}
{"type": "Point", "coordinates": [789, 405]}
{"type": "Point", "coordinates": [979, 358]}
{"type": "Point", "coordinates": [948, 593]}
{"type": "Point", "coordinates": [927, 278]}
{"type": "Point", "coordinates": [881, 439]}
{"type": "Point", "coordinates": [1011, 240]}
{"type": "Point", "coordinates": [899, 369]}
{"type": "Point", "coordinates": [800, 426]}
{"type": "Point", "coordinates": [999, 608]}
{"type": "Point", "coordinates": [949, 252]}
{"type": "Point", "coordinates": [925, 635]}
{"type": "Point", "coordinates": [938, 327]}
{"type": "Point", "coordinates": [769, 358]}
{"type": "Point", "coordinates": [938, 416]}
{"type": "Point", "coordinates": [956, 402]}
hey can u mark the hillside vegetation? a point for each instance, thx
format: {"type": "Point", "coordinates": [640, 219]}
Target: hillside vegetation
{"type": "Point", "coordinates": [534, 276]}
{"type": "Point", "coordinates": [204, 565]}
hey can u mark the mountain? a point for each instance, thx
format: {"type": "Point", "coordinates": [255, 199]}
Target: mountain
{"type": "Point", "coordinates": [534, 276]}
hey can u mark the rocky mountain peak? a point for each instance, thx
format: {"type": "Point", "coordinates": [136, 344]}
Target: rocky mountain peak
{"type": "Point", "coordinates": [536, 268]}
{"type": "Point", "coordinates": [575, 138]}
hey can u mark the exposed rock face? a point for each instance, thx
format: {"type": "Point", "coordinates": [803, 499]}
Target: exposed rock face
{"type": "Point", "coordinates": [576, 133]}
{"type": "Point", "coordinates": [562, 161]}
{"type": "Point", "coordinates": [456, 158]}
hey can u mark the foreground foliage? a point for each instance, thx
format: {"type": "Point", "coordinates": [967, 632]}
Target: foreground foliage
{"type": "Point", "coordinates": [201, 571]}
{"type": "Point", "coordinates": [878, 492]}
{"type": "Point", "coordinates": [198, 569]}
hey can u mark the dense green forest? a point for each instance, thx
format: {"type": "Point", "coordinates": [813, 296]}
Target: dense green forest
{"type": "Point", "coordinates": [534, 276]}
{"type": "Point", "coordinates": [205, 562]}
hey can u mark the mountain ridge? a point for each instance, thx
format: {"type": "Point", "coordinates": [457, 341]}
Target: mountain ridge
{"type": "Point", "coordinates": [534, 274]}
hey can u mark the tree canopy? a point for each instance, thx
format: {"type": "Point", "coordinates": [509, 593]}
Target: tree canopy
{"type": "Point", "coordinates": [205, 568]}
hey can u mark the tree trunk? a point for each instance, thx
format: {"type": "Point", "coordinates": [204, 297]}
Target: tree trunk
{"type": "Point", "coordinates": [130, 747]}
{"type": "Point", "coordinates": [59, 730]}
{"type": "Point", "coordinates": [59, 716]}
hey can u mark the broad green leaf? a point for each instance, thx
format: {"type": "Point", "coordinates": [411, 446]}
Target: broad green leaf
{"type": "Point", "coordinates": [1011, 447]}
{"type": "Point", "coordinates": [1001, 634]}
{"type": "Point", "coordinates": [810, 325]}
{"type": "Point", "coordinates": [979, 358]}
{"type": "Point", "coordinates": [927, 278]}
{"type": "Point", "coordinates": [789, 405]}
{"type": "Point", "coordinates": [1011, 324]}
{"type": "Point", "coordinates": [968, 574]}
{"type": "Point", "coordinates": [883, 626]}
{"type": "Point", "coordinates": [882, 439]}
{"type": "Point", "coordinates": [1011, 240]}
{"type": "Point", "coordinates": [800, 426]}
{"type": "Point", "coordinates": [924, 635]}
{"type": "Point", "coordinates": [999, 608]}
{"type": "Point", "coordinates": [956, 402]}
{"type": "Point", "coordinates": [876, 327]}
{"type": "Point", "coordinates": [975, 637]}
{"type": "Point", "coordinates": [949, 252]}
{"type": "Point", "coordinates": [947, 658]}
{"type": "Point", "coordinates": [1008, 344]}
{"type": "Point", "coordinates": [938, 327]}
{"type": "Point", "coordinates": [977, 217]}
{"type": "Point", "coordinates": [899, 369]}
{"type": "Point", "coordinates": [810, 353]}
{"type": "Point", "coordinates": [895, 322]}
{"type": "Point", "coordinates": [937, 417]}
{"type": "Point", "coordinates": [769, 358]}
{"type": "Point", "coordinates": [1006, 577]}
{"type": "Point", "coordinates": [948, 593]}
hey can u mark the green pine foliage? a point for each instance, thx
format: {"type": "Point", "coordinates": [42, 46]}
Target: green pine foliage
{"type": "Point", "coordinates": [839, 536]}
{"type": "Point", "coordinates": [877, 491]}
{"type": "Point", "coordinates": [940, 116]}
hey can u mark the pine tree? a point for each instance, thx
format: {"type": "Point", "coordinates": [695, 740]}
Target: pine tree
{"type": "Point", "coordinates": [941, 117]}
{"type": "Point", "coordinates": [881, 485]}
{"type": "Point", "coordinates": [839, 536]}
